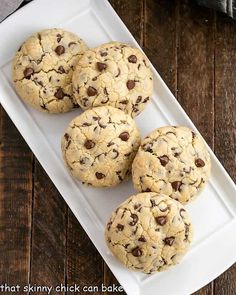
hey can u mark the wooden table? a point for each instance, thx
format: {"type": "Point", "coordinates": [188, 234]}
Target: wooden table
{"type": "Point", "coordinates": [194, 50]}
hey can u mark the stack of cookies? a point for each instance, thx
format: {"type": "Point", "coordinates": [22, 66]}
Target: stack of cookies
{"type": "Point", "coordinates": [55, 72]}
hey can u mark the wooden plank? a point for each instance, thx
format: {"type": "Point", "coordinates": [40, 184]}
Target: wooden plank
{"type": "Point", "coordinates": [195, 76]}
{"type": "Point", "coordinates": [196, 65]}
{"type": "Point", "coordinates": [225, 119]}
{"type": "Point", "coordinates": [15, 204]}
{"type": "Point", "coordinates": [48, 254]}
{"type": "Point", "coordinates": [84, 263]}
{"type": "Point", "coordinates": [160, 39]}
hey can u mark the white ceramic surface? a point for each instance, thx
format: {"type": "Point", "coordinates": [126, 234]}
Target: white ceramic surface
{"type": "Point", "coordinates": [213, 213]}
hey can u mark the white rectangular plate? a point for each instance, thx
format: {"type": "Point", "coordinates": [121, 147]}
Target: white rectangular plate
{"type": "Point", "coordinates": [213, 213]}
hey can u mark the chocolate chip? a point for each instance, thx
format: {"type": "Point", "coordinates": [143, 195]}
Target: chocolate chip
{"type": "Point", "coordinates": [137, 252]}
{"type": "Point", "coordinates": [59, 93]}
{"type": "Point", "coordinates": [186, 232]}
{"type": "Point", "coordinates": [83, 161]}
{"type": "Point", "coordinates": [43, 107]}
{"type": "Point", "coordinates": [67, 136]}
{"type": "Point", "coordinates": [126, 246]}
{"type": "Point", "coordinates": [139, 99]}
{"type": "Point", "coordinates": [124, 136]}
{"type": "Point", "coordinates": [142, 239]}
{"type": "Point", "coordinates": [109, 225]}
{"type": "Point", "coordinates": [60, 50]}
{"type": "Point", "coordinates": [153, 203]}
{"type": "Point", "coordinates": [85, 101]}
{"type": "Point", "coordinates": [164, 160]}
{"type": "Point", "coordinates": [28, 72]}
{"type": "Point", "coordinates": [128, 171]}
{"type": "Point", "coordinates": [169, 241]}
{"type": "Point", "coordinates": [146, 99]}
{"type": "Point", "coordinates": [103, 53]}
{"type": "Point", "coordinates": [110, 144]}
{"type": "Point", "coordinates": [161, 220]}
{"type": "Point", "coordinates": [176, 185]}
{"type": "Point", "coordinates": [118, 174]}
{"type": "Point", "coordinates": [124, 101]}
{"type": "Point", "coordinates": [59, 37]}
{"type": "Point", "coordinates": [148, 149]}
{"type": "Point", "coordinates": [130, 84]}
{"type": "Point", "coordinates": [135, 109]}
{"type": "Point", "coordinates": [199, 162]}
{"type": "Point", "coordinates": [89, 144]}
{"type": "Point", "coordinates": [40, 83]}
{"type": "Point", "coordinates": [136, 206]}
{"type": "Point", "coordinates": [135, 219]}
{"type": "Point", "coordinates": [95, 118]}
{"type": "Point", "coordinates": [99, 175]}
{"type": "Point", "coordinates": [61, 70]}
{"type": "Point", "coordinates": [86, 124]}
{"type": "Point", "coordinates": [132, 58]}
{"type": "Point", "coordinates": [75, 105]}
{"type": "Point", "coordinates": [91, 91]}
{"type": "Point", "coordinates": [120, 227]}
{"type": "Point", "coordinates": [101, 66]}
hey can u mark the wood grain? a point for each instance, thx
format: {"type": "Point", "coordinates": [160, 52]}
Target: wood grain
{"type": "Point", "coordinates": [15, 204]}
{"type": "Point", "coordinates": [196, 66]}
{"type": "Point", "coordinates": [160, 39]}
{"type": "Point", "coordinates": [48, 254]}
{"type": "Point", "coordinates": [84, 263]}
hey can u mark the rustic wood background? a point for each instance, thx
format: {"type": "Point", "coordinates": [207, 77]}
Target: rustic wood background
{"type": "Point", "coordinates": [194, 50]}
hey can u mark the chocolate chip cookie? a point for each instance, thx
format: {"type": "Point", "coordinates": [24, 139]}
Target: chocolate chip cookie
{"type": "Point", "coordinates": [113, 74]}
{"type": "Point", "coordinates": [173, 161]}
{"type": "Point", "coordinates": [149, 232]}
{"type": "Point", "coordinates": [42, 70]}
{"type": "Point", "coordinates": [99, 146]}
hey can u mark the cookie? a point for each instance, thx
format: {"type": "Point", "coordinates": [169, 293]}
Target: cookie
{"type": "Point", "coordinates": [173, 161]}
{"type": "Point", "coordinates": [149, 232]}
{"type": "Point", "coordinates": [42, 70]}
{"type": "Point", "coordinates": [113, 74]}
{"type": "Point", "coordinates": [99, 146]}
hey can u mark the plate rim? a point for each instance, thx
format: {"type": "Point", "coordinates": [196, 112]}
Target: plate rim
{"type": "Point", "coordinates": [16, 122]}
